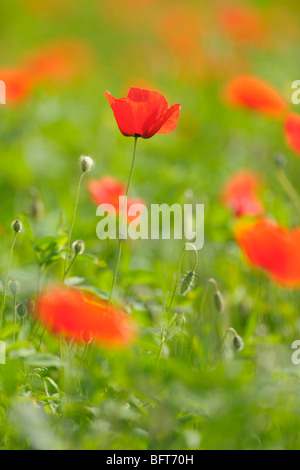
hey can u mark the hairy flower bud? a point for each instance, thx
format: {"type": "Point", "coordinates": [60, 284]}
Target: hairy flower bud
{"type": "Point", "coordinates": [219, 302]}
{"type": "Point", "coordinates": [280, 160]}
{"type": "Point", "coordinates": [14, 287]}
{"type": "Point", "coordinates": [78, 247]}
{"type": "Point", "coordinates": [238, 343]}
{"type": "Point", "coordinates": [86, 163]}
{"type": "Point", "coordinates": [21, 310]}
{"type": "Point", "coordinates": [17, 226]}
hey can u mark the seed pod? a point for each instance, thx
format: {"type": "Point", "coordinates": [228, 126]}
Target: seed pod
{"type": "Point", "coordinates": [31, 306]}
{"type": "Point", "coordinates": [238, 343]}
{"type": "Point", "coordinates": [188, 282]}
{"type": "Point", "coordinates": [219, 302]}
{"type": "Point", "coordinates": [21, 310]}
{"type": "Point", "coordinates": [17, 226]}
{"type": "Point", "coordinates": [280, 160]}
{"type": "Point", "coordinates": [86, 163]}
{"type": "Point", "coordinates": [78, 247]}
{"type": "Point", "coordinates": [14, 287]}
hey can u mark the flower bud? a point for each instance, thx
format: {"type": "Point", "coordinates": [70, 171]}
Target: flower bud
{"type": "Point", "coordinates": [78, 247]}
{"type": "Point", "coordinates": [21, 310]}
{"type": "Point", "coordinates": [219, 302]}
{"type": "Point", "coordinates": [17, 226]}
{"type": "Point", "coordinates": [280, 160]}
{"type": "Point", "coordinates": [31, 305]}
{"type": "Point", "coordinates": [238, 343]}
{"type": "Point", "coordinates": [188, 282]}
{"type": "Point", "coordinates": [14, 287]}
{"type": "Point", "coordinates": [86, 163]}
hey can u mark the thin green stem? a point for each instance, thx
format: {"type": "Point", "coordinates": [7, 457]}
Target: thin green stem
{"type": "Point", "coordinates": [15, 315]}
{"type": "Point", "coordinates": [73, 222]}
{"type": "Point", "coordinates": [122, 219]}
{"type": "Point", "coordinates": [177, 279]}
{"type": "Point", "coordinates": [288, 187]}
{"type": "Point", "coordinates": [84, 354]}
{"type": "Point", "coordinates": [6, 278]}
{"type": "Point", "coordinates": [71, 264]}
{"type": "Point", "coordinates": [42, 337]}
{"type": "Point", "coordinates": [179, 271]}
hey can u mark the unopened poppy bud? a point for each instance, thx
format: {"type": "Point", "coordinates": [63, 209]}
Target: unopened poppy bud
{"type": "Point", "coordinates": [17, 226]}
{"type": "Point", "coordinates": [31, 305]}
{"type": "Point", "coordinates": [238, 343]}
{"type": "Point", "coordinates": [280, 160]}
{"type": "Point", "coordinates": [21, 310]}
{"type": "Point", "coordinates": [78, 247]}
{"type": "Point", "coordinates": [188, 282]}
{"type": "Point", "coordinates": [14, 287]}
{"type": "Point", "coordinates": [219, 302]}
{"type": "Point", "coordinates": [86, 163]}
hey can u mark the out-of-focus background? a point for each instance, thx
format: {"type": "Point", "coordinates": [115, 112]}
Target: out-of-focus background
{"type": "Point", "coordinates": [58, 57]}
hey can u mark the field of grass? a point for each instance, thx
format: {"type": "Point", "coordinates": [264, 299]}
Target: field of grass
{"type": "Point", "coordinates": [197, 375]}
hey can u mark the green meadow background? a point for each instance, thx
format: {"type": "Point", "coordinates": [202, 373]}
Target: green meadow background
{"type": "Point", "coordinates": [177, 386]}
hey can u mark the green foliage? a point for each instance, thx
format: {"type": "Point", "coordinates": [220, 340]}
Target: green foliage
{"type": "Point", "coordinates": [184, 383]}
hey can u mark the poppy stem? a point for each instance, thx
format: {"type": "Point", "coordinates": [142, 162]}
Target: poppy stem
{"type": "Point", "coordinates": [73, 223]}
{"type": "Point", "coordinates": [15, 315]}
{"type": "Point", "coordinates": [122, 219]}
{"type": "Point", "coordinates": [179, 270]}
{"type": "Point", "coordinates": [6, 278]}
{"type": "Point", "coordinates": [84, 354]}
{"type": "Point", "coordinates": [288, 187]}
{"type": "Point", "coordinates": [70, 265]}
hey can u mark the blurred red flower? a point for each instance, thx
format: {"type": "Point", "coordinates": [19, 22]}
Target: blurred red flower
{"type": "Point", "coordinates": [253, 93]}
{"type": "Point", "coordinates": [243, 24]}
{"type": "Point", "coordinates": [272, 248]}
{"type": "Point", "coordinates": [18, 84]}
{"type": "Point", "coordinates": [292, 132]}
{"type": "Point", "coordinates": [240, 194]}
{"type": "Point", "coordinates": [108, 190]}
{"type": "Point", "coordinates": [144, 113]}
{"type": "Point", "coordinates": [61, 61]}
{"type": "Point", "coordinates": [82, 317]}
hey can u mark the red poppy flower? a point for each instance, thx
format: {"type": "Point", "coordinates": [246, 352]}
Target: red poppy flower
{"type": "Point", "coordinates": [272, 248]}
{"type": "Point", "coordinates": [81, 317]}
{"type": "Point", "coordinates": [17, 82]}
{"type": "Point", "coordinates": [253, 93]}
{"type": "Point", "coordinates": [243, 25]}
{"type": "Point", "coordinates": [144, 113]}
{"type": "Point", "coordinates": [108, 190]}
{"type": "Point", "coordinates": [240, 194]}
{"type": "Point", "coordinates": [292, 132]}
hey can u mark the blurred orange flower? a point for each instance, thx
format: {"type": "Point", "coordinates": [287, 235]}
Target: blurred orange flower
{"type": "Point", "coordinates": [240, 194]}
{"type": "Point", "coordinates": [52, 8]}
{"type": "Point", "coordinates": [244, 25]}
{"type": "Point", "coordinates": [82, 317]}
{"type": "Point", "coordinates": [180, 27]}
{"type": "Point", "coordinates": [292, 132]}
{"type": "Point", "coordinates": [18, 84]}
{"type": "Point", "coordinates": [272, 248]}
{"type": "Point", "coordinates": [61, 61]}
{"type": "Point", "coordinates": [108, 190]}
{"type": "Point", "coordinates": [253, 93]}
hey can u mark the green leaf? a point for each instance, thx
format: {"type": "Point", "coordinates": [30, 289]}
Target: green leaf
{"type": "Point", "coordinates": [44, 360]}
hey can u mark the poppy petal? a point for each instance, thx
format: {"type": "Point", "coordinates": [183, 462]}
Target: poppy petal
{"type": "Point", "coordinates": [272, 248]}
{"type": "Point", "coordinates": [78, 315]}
{"type": "Point", "coordinates": [166, 123]}
{"type": "Point", "coordinates": [292, 132]}
{"type": "Point", "coordinates": [253, 93]}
